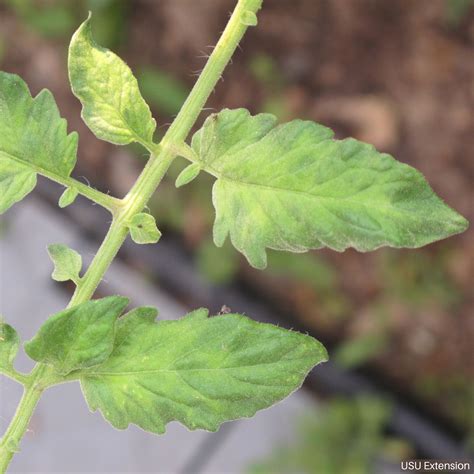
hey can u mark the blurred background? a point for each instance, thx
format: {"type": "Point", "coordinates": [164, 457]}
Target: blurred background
{"type": "Point", "coordinates": [398, 324]}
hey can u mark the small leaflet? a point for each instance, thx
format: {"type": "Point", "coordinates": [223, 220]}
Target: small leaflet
{"type": "Point", "coordinates": [143, 229]}
{"type": "Point", "coordinates": [67, 263]}
{"type": "Point", "coordinates": [188, 174]}
{"type": "Point", "coordinates": [68, 197]}
{"type": "Point", "coordinates": [249, 18]}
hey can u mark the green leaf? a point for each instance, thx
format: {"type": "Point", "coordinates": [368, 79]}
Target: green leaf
{"type": "Point", "coordinates": [199, 371]}
{"type": "Point", "coordinates": [33, 139]}
{"type": "Point", "coordinates": [9, 342]}
{"type": "Point", "coordinates": [143, 229]}
{"type": "Point", "coordinates": [293, 187]}
{"type": "Point", "coordinates": [78, 337]}
{"type": "Point", "coordinates": [112, 105]}
{"type": "Point", "coordinates": [188, 174]}
{"type": "Point", "coordinates": [197, 314]}
{"type": "Point", "coordinates": [67, 263]}
{"type": "Point", "coordinates": [68, 197]}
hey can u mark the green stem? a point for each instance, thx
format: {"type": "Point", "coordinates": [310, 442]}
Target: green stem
{"type": "Point", "coordinates": [173, 141]}
{"type": "Point", "coordinates": [186, 151]}
{"type": "Point", "coordinates": [109, 248]}
{"type": "Point", "coordinates": [14, 375]}
{"type": "Point", "coordinates": [133, 203]}
{"type": "Point", "coordinates": [10, 442]}
{"type": "Point", "coordinates": [110, 203]}
{"type": "Point", "coordinates": [156, 168]}
{"type": "Point", "coordinates": [212, 72]}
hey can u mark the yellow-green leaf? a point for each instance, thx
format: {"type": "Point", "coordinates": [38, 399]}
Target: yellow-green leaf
{"type": "Point", "coordinates": [199, 371]}
{"type": "Point", "coordinates": [112, 105]}
{"type": "Point", "coordinates": [293, 187]}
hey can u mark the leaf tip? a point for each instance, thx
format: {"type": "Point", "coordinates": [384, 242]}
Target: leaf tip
{"type": "Point", "coordinates": [188, 174]}
{"type": "Point", "coordinates": [84, 28]}
{"type": "Point", "coordinates": [257, 258]}
{"type": "Point", "coordinates": [462, 224]}
{"type": "Point", "coordinates": [67, 263]}
{"type": "Point", "coordinates": [323, 353]}
{"type": "Point", "coordinates": [197, 314]}
{"type": "Point", "coordinates": [67, 197]}
{"type": "Point", "coordinates": [119, 302]}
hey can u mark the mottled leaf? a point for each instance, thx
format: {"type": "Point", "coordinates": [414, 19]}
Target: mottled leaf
{"type": "Point", "coordinates": [78, 337]}
{"type": "Point", "coordinates": [293, 187]}
{"type": "Point", "coordinates": [33, 139]}
{"type": "Point", "coordinates": [112, 105]}
{"type": "Point", "coordinates": [199, 371]}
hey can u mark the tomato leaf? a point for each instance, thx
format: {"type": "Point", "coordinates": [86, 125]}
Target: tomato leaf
{"type": "Point", "coordinates": [67, 263]}
{"type": "Point", "coordinates": [143, 229]}
{"type": "Point", "coordinates": [188, 174]}
{"type": "Point", "coordinates": [293, 187]}
{"type": "Point", "coordinates": [68, 197]}
{"type": "Point", "coordinates": [33, 139]}
{"type": "Point", "coordinates": [199, 371]}
{"type": "Point", "coordinates": [78, 337]}
{"type": "Point", "coordinates": [112, 105]}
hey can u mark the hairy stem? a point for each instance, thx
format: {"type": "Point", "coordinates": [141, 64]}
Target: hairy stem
{"type": "Point", "coordinates": [111, 244]}
{"type": "Point", "coordinates": [134, 202]}
{"type": "Point", "coordinates": [108, 202]}
{"type": "Point", "coordinates": [10, 442]}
